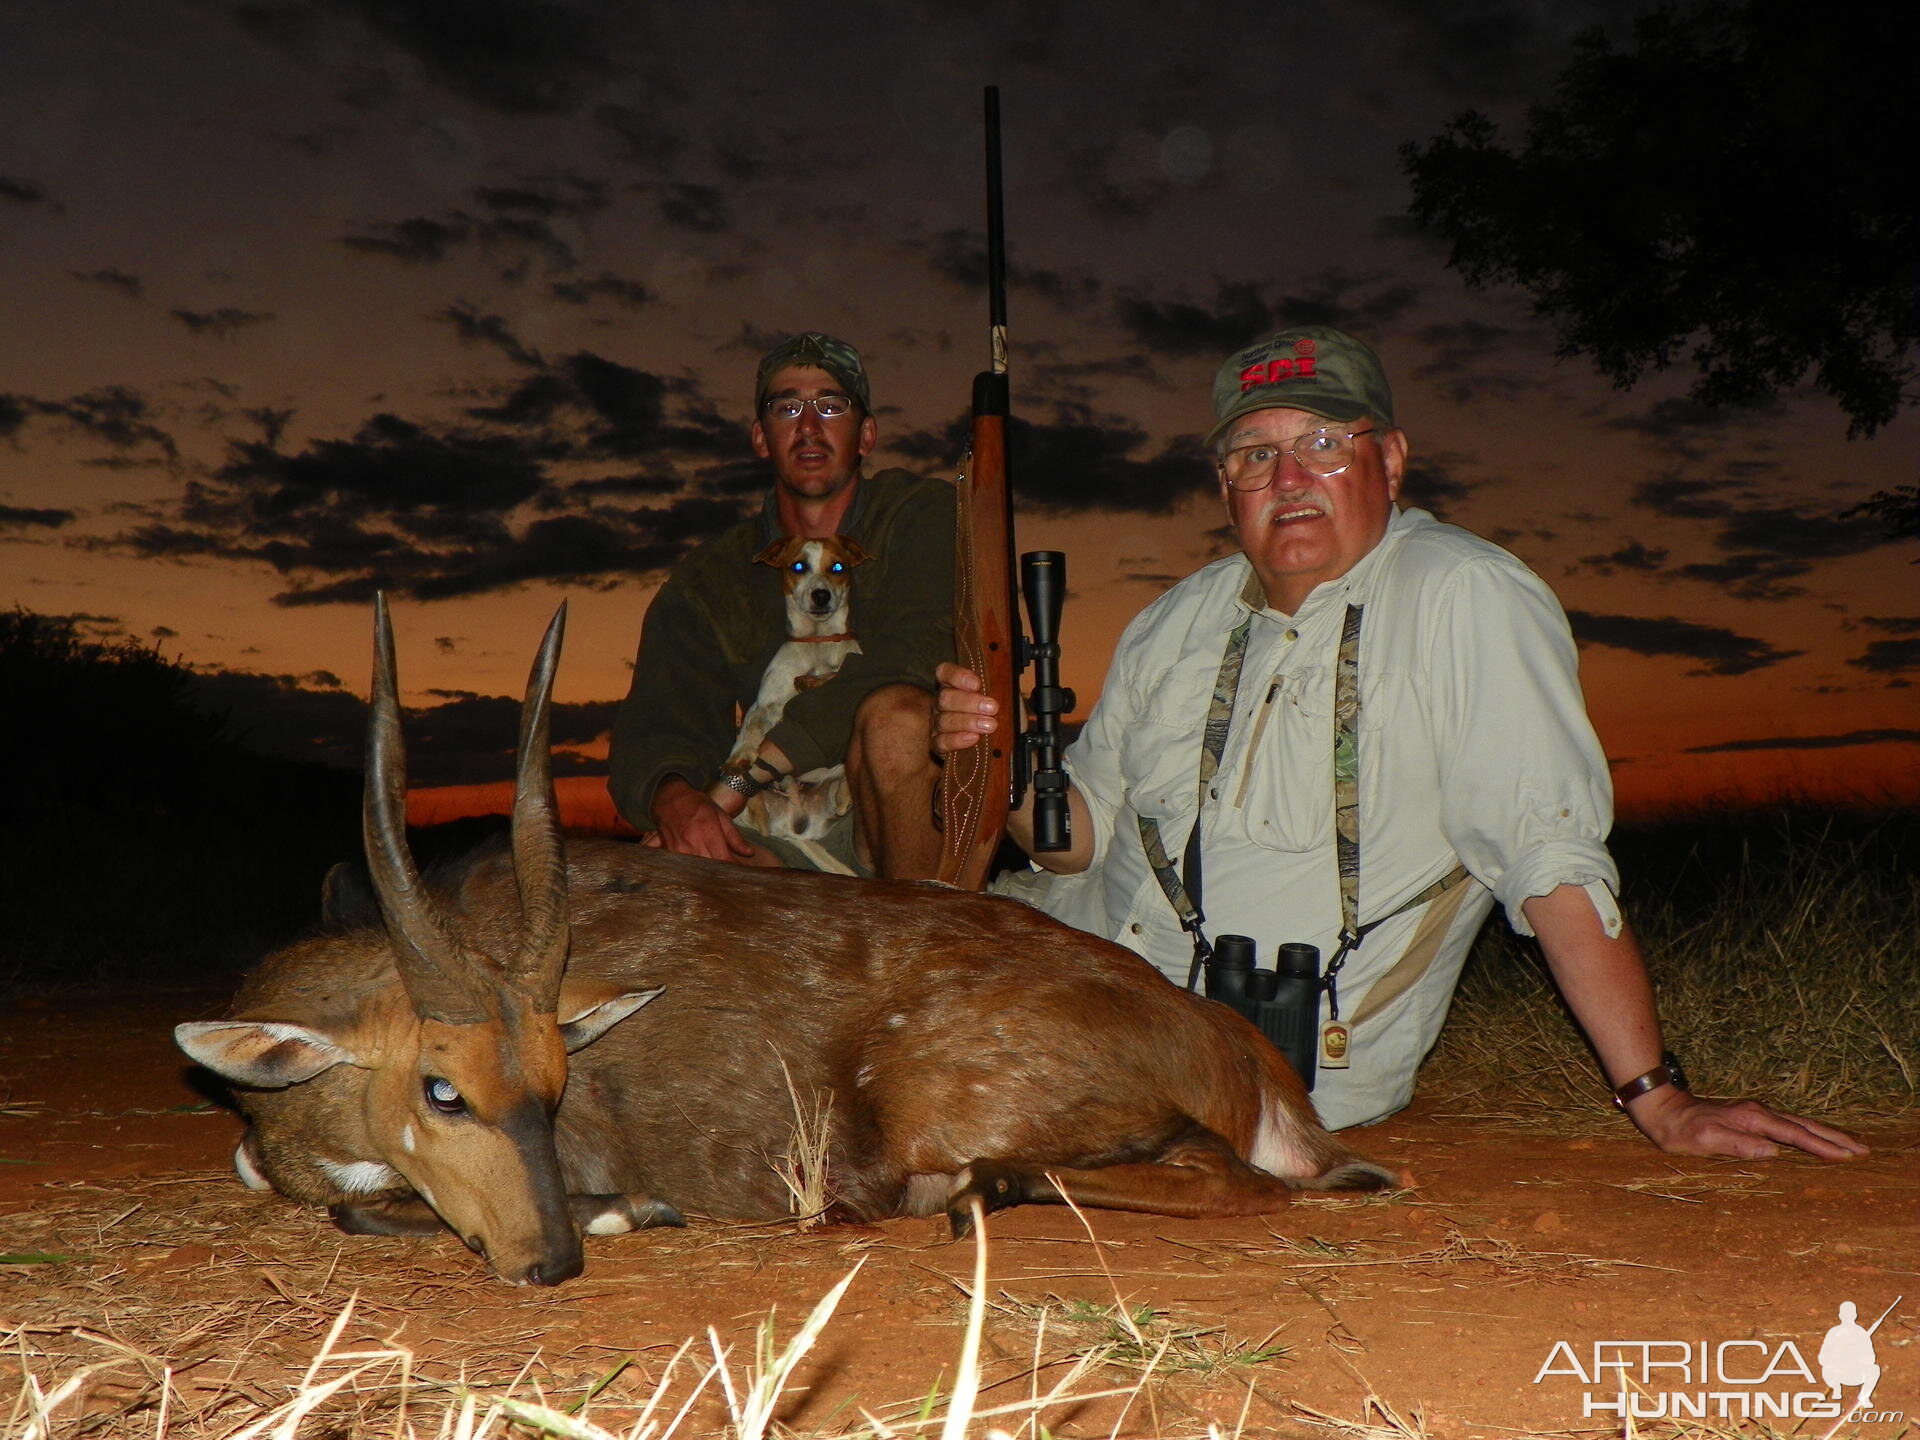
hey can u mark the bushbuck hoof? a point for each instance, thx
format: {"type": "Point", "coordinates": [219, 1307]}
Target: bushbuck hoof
{"type": "Point", "coordinates": [618, 1214]}
{"type": "Point", "coordinates": [392, 1215]}
{"type": "Point", "coordinates": [996, 1187]}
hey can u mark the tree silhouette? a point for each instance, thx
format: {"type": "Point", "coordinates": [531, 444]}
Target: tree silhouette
{"type": "Point", "coordinates": [1738, 191]}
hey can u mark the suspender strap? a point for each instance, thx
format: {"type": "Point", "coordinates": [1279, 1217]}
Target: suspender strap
{"type": "Point", "coordinates": [1184, 894]}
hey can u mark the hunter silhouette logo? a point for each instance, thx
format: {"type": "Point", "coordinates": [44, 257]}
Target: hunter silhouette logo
{"type": "Point", "coordinates": [1847, 1358]}
{"type": "Point", "coordinates": [1751, 1379]}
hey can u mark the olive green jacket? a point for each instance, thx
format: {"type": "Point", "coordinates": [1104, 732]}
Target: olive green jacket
{"type": "Point", "coordinates": [718, 620]}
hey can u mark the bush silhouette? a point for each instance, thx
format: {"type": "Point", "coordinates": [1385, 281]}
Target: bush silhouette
{"type": "Point", "coordinates": [139, 838]}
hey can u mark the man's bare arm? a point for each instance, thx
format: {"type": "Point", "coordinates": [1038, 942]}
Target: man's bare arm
{"type": "Point", "coordinates": [1604, 980]}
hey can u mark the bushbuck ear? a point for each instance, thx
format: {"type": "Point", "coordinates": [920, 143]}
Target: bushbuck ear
{"type": "Point", "coordinates": [588, 1011]}
{"type": "Point", "coordinates": [347, 901]}
{"type": "Point", "coordinates": [263, 1053]}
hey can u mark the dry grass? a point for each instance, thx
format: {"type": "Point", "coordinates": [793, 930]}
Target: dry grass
{"type": "Point", "coordinates": [1783, 950]}
{"type": "Point", "coordinates": [280, 1366]}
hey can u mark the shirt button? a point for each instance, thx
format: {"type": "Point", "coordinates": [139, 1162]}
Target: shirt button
{"type": "Point", "coordinates": [1293, 634]}
{"type": "Point", "coordinates": [1135, 927]}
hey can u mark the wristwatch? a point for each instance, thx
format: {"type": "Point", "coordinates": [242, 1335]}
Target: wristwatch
{"type": "Point", "coordinates": [1667, 1072]}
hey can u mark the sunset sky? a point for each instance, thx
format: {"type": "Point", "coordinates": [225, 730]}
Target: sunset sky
{"type": "Point", "coordinates": [304, 297]}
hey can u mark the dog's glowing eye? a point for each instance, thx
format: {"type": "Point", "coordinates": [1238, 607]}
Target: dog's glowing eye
{"type": "Point", "coordinates": [837, 566]}
{"type": "Point", "coordinates": [798, 567]}
{"type": "Point", "coordinates": [442, 1096]}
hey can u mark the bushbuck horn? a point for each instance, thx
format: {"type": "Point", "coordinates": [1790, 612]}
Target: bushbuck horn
{"type": "Point", "coordinates": [444, 981]}
{"type": "Point", "coordinates": [539, 853]}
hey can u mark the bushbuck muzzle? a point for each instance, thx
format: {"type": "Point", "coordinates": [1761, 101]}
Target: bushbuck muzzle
{"type": "Point", "coordinates": [472, 1060]}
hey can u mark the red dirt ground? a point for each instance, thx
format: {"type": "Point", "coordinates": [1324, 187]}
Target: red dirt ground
{"type": "Point", "coordinates": [1446, 1301]}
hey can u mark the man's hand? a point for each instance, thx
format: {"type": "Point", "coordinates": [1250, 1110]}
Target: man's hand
{"type": "Point", "coordinates": [962, 714]}
{"type": "Point", "coordinates": [692, 823]}
{"type": "Point", "coordinates": [1684, 1124]}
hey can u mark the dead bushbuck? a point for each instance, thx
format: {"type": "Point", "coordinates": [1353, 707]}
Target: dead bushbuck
{"type": "Point", "coordinates": [478, 1062]}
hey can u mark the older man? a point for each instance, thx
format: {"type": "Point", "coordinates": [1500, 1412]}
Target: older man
{"type": "Point", "coordinates": [718, 620]}
{"type": "Point", "coordinates": [1365, 727]}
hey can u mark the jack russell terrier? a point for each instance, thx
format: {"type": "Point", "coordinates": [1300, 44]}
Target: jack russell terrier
{"type": "Point", "coordinates": [817, 581]}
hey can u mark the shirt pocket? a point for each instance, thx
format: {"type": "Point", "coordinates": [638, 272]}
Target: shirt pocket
{"type": "Point", "coordinates": [1160, 751]}
{"type": "Point", "coordinates": [1283, 782]}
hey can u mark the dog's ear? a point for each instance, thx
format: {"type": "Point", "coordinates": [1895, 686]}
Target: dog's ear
{"type": "Point", "coordinates": [850, 550]}
{"type": "Point", "coordinates": [781, 553]}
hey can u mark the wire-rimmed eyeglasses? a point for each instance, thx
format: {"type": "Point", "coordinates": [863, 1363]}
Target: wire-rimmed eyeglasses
{"type": "Point", "coordinates": [1326, 451]}
{"type": "Point", "coordinates": [791, 407]}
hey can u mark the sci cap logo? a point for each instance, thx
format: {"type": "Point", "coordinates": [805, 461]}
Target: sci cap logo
{"type": "Point", "coordinates": [1280, 369]}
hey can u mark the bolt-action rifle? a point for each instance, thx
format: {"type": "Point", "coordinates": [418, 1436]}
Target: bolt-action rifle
{"type": "Point", "coordinates": [979, 786]}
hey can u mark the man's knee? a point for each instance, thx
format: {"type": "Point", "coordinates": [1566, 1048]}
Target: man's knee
{"type": "Point", "coordinates": [893, 726]}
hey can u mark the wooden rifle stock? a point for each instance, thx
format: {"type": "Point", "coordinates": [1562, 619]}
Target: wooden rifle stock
{"type": "Point", "coordinates": [978, 785]}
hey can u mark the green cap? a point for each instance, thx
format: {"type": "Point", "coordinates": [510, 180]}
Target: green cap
{"type": "Point", "coordinates": [1314, 368]}
{"type": "Point", "coordinates": [836, 357]}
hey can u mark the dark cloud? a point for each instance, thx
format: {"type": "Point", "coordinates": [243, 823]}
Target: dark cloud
{"type": "Point", "coordinates": [1080, 462]}
{"type": "Point", "coordinates": [221, 324]}
{"type": "Point", "coordinates": [1889, 657]}
{"type": "Point", "coordinates": [1763, 546]}
{"type": "Point", "coordinates": [21, 191]}
{"type": "Point", "coordinates": [434, 510]}
{"type": "Point", "coordinates": [703, 209]}
{"type": "Point", "coordinates": [1467, 361]}
{"type": "Point", "coordinates": [419, 241]}
{"type": "Point", "coordinates": [520, 57]}
{"type": "Point", "coordinates": [1485, 50]}
{"type": "Point", "coordinates": [118, 281]}
{"type": "Point", "coordinates": [475, 328]}
{"type": "Point", "coordinates": [642, 137]}
{"type": "Point", "coordinates": [1631, 558]}
{"type": "Point", "coordinates": [1691, 430]}
{"type": "Point", "coordinates": [960, 255]}
{"type": "Point", "coordinates": [629, 293]}
{"type": "Point", "coordinates": [1239, 314]}
{"type": "Point", "coordinates": [15, 517]}
{"type": "Point", "coordinates": [1893, 624]}
{"type": "Point", "coordinates": [546, 198]}
{"type": "Point", "coordinates": [117, 416]}
{"type": "Point", "coordinates": [1119, 181]}
{"type": "Point", "coordinates": [1720, 651]}
{"type": "Point", "coordinates": [1243, 311]}
{"type": "Point", "coordinates": [1438, 481]}
{"type": "Point", "coordinates": [1809, 742]}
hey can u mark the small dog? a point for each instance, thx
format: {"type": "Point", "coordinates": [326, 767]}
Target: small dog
{"type": "Point", "coordinates": [817, 580]}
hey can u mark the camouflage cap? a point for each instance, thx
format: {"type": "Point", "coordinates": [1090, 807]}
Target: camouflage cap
{"type": "Point", "coordinates": [1314, 368]}
{"type": "Point", "coordinates": [836, 357]}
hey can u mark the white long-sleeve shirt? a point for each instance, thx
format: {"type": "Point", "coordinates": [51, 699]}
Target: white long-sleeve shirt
{"type": "Point", "coordinates": [1474, 743]}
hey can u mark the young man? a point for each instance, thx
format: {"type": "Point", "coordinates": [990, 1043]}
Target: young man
{"type": "Point", "coordinates": [718, 620]}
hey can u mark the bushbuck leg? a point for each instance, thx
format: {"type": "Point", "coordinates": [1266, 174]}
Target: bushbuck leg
{"type": "Point", "coordinates": [410, 1215]}
{"type": "Point", "coordinates": [1197, 1175]}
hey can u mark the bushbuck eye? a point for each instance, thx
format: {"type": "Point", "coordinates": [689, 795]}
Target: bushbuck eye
{"type": "Point", "coordinates": [443, 1097]}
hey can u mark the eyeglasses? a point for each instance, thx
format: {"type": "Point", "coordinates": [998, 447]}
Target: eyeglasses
{"type": "Point", "coordinates": [1322, 452]}
{"type": "Point", "coordinates": [791, 407]}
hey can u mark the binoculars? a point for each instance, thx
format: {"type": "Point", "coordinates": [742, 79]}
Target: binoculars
{"type": "Point", "coordinates": [1283, 1003]}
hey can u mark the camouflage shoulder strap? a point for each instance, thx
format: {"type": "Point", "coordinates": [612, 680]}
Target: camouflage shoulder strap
{"type": "Point", "coordinates": [1184, 896]}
